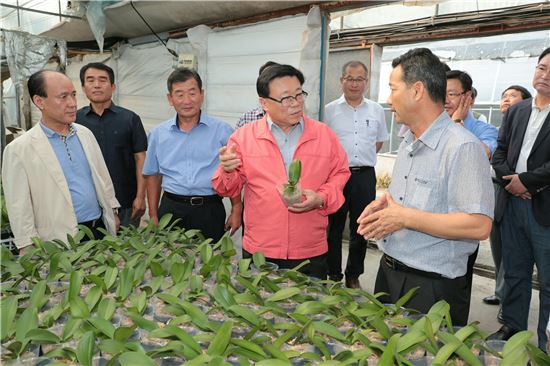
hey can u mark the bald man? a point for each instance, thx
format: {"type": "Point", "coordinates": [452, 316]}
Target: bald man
{"type": "Point", "coordinates": [54, 175]}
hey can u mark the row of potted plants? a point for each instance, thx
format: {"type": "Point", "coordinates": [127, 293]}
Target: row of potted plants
{"type": "Point", "coordinates": [164, 295]}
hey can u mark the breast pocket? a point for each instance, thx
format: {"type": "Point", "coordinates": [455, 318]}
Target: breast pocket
{"type": "Point", "coordinates": [423, 193]}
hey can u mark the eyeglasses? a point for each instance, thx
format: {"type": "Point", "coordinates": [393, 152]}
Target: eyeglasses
{"type": "Point", "coordinates": [287, 101]}
{"type": "Point", "coordinates": [352, 80]}
{"type": "Point", "coordinates": [452, 94]}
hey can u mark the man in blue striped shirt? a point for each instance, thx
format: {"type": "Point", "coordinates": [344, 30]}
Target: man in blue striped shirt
{"type": "Point", "coordinates": [440, 201]}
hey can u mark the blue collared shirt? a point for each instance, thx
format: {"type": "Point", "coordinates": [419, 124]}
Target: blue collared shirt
{"type": "Point", "coordinates": [485, 132]}
{"type": "Point", "coordinates": [78, 174]}
{"type": "Point", "coordinates": [186, 160]}
{"type": "Point", "coordinates": [444, 171]}
{"type": "Point", "coordinates": [287, 143]}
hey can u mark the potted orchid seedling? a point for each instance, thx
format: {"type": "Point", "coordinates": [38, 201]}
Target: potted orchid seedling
{"type": "Point", "coordinates": [291, 191]}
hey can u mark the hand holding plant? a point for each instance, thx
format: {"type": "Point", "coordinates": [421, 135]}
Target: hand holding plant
{"type": "Point", "coordinates": [291, 191]}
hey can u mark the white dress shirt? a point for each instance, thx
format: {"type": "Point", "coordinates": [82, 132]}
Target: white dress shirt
{"type": "Point", "coordinates": [536, 120]}
{"type": "Point", "coordinates": [358, 129]}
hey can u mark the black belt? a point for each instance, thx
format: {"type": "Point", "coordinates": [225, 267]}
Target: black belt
{"type": "Point", "coordinates": [193, 200]}
{"type": "Point", "coordinates": [92, 224]}
{"type": "Point", "coordinates": [359, 169]}
{"type": "Point", "coordinates": [402, 267]}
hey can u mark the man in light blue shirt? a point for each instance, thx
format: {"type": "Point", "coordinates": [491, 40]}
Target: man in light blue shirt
{"type": "Point", "coordinates": [458, 104]}
{"type": "Point", "coordinates": [440, 201]}
{"type": "Point", "coordinates": [182, 157]}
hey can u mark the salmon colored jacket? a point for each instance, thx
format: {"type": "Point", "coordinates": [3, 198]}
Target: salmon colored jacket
{"type": "Point", "coordinates": [270, 227]}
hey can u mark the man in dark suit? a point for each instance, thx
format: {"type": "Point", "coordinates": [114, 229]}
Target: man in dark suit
{"type": "Point", "coordinates": [522, 166]}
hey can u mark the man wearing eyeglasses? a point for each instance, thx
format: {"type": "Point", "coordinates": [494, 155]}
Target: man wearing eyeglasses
{"type": "Point", "coordinates": [360, 125]}
{"type": "Point", "coordinates": [458, 104]}
{"type": "Point", "coordinates": [257, 158]}
{"type": "Point", "coordinates": [522, 167]}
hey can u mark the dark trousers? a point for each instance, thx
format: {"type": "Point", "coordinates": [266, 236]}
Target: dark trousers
{"type": "Point", "coordinates": [317, 266]}
{"type": "Point", "coordinates": [397, 283]}
{"type": "Point", "coordinates": [360, 190]}
{"type": "Point", "coordinates": [524, 243]}
{"type": "Point", "coordinates": [496, 251]}
{"type": "Point", "coordinates": [208, 217]}
{"type": "Point", "coordinates": [94, 225]}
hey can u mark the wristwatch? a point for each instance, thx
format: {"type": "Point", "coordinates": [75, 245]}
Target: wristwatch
{"type": "Point", "coordinates": [459, 120]}
{"type": "Point", "coordinates": [115, 210]}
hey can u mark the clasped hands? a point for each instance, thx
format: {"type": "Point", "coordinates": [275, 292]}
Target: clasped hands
{"type": "Point", "coordinates": [381, 218]}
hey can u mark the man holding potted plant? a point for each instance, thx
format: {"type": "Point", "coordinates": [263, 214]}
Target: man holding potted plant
{"type": "Point", "coordinates": [258, 158]}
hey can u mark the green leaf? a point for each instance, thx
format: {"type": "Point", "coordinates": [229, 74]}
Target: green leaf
{"type": "Point", "coordinates": [223, 297]}
{"type": "Point", "coordinates": [125, 283]}
{"type": "Point", "coordinates": [251, 346]}
{"type": "Point", "coordinates": [165, 220]}
{"type": "Point", "coordinates": [259, 259]}
{"type": "Point", "coordinates": [85, 349]}
{"type": "Point", "coordinates": [106, 308]}
{"type": "Point", "coordinates": [221, 340]}
{"type": "Point", "coordinates": [42, 336]}
{"type": "Point", "coordinates": [311, 307]}
{"type": "Point", "coordinates": [8, 310]}
{"type": "Point", "coordinates": [37, 296]}
{"type": "Point", "coordinates": [294, 172]}
{"type": "Point", "coordinates": [405, 298]}
{"type": "Point", "coordinates": [388, 356]}
{"type": "Point", "coordinates": [123, 333]}
{"type": "Point", "coordinates": [173, 331]}
{"type": "Point", "coordinates": [177, 270]}
{"type": "Point", "coordinates": [78, 308]}
{"type": "Point", "coordinates": [27, 321]}
{"type": "Point", "coordinates": [328, 329]}
{"type": "Point", "coordinates": [110, 276]}
{"type": "Point", "coordinates": [273, 362]}
{"type": "Point", "coordinates": [284, 293]}
{"type": "Point", "coordinates": [102, 325]}
{"type": "Point", "coordinates": [93, 296]}
{"type": "Point", "coordinates": [136, 358]}
{"type": "Point", "coordinates": [141, 322]}
{"type": "Point", "coordinates": [112, 346]}
{"type": "Point", "coordinates": [245, 313]}
{"type": "Point", "coordinates": [75, 283]}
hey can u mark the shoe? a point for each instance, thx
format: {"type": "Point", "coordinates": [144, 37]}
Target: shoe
{"type": "Point", "coordinates": [353, 282]}
{"type": "Point", "coordinates": [491, 300]}
{"type": "Point", "coordinates": [500, 319]}
{"type": "Point", "coordinates": [335, 278]}
{"type": "Point", "coordinates": [503, 334]}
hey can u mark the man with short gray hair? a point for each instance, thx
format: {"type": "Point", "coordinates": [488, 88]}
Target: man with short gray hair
{"type": "Point", "coordinates": [360, 125]}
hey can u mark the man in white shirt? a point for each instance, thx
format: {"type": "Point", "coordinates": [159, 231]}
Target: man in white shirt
{"type": "Point", "coordinates": [361, 128]}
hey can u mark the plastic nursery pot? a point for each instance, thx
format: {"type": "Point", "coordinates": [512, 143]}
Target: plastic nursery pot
{"type": "Point", "coordinates": [290, 198]}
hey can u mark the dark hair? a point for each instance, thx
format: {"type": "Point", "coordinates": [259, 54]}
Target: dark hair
{"type": "Point", "coordinates": [37, 84]}
{"type": "Point", "coordinates": [524, 92]}
{"type": "Point", "coordinates": [265, 66]}
{"type": "Point", "coordinates": [474, 93]}
{"type": "Point", "coordinates": [97, 66]}
{"type": "Point", "coordinates": [275, 72]}
{"type": "Point", "coordinates": [354, 63]}
{"type": "Point", "coordinates": [447, 67]}
{"type": "Point", "coordinates": [544, 53]}
{"type": "Point", "coordinates": [463, 77]}
{"type": "Point", "coordinates": [420, 64]}
{"type": "Point", "coordinates": [181, 75]}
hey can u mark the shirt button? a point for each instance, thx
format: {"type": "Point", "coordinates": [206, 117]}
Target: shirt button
{"type": "Point", "coordinates": [405, 177]}
{"type": "Point", "coordinates": [400, 198]}
{"type": "Point", "coordinates": [384, 240]}
{"type": "Point", "coordinates": [411, 155]}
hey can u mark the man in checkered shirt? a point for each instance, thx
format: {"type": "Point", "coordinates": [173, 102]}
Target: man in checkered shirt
{"type": "Point", "coordinates": [258, 112]}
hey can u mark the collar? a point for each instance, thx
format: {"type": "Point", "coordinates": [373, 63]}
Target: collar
{"type": "Point", "coordinates": [272, 125]}
{"type": "Point", "coordinates": [203, 119]}
{"type": "Point", "coordinates": [342, 100]}
{"type": "Point", "coordinates": [533, 104]}
{"type": "Point", "coordinates": [113, 108]}
{"type": "Point", "coordinates": [51, 133]}
{"type": "Point", "coordinates": [432, 135]}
